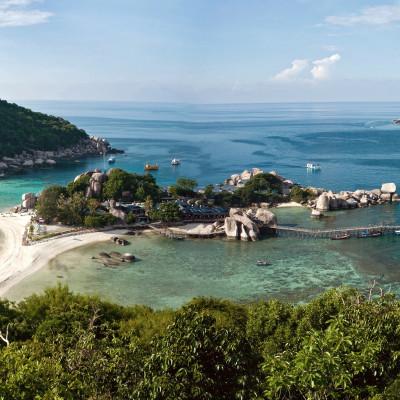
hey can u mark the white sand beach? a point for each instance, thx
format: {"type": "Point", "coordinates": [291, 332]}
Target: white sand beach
{"type": "Point", "coordinates": [17, 261]}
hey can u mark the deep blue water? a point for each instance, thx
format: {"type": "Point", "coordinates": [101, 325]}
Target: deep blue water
{"type": "Point", "coordinates": [356, 143]}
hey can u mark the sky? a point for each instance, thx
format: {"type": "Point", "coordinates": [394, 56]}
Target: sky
{"type": "Point", "coordinates": [200, 51]}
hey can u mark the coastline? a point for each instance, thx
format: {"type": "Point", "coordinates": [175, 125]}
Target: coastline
{"type": "Point", "coordinates": [18, 261]}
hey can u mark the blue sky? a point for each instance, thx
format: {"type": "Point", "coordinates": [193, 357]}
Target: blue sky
{"type": "Point", "coordinates": [200, 51]}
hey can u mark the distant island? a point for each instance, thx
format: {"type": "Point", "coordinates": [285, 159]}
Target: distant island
{"type": "Point", "coordinates": [33, 139]}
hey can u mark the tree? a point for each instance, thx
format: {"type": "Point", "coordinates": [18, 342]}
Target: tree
{"type": "Point", "coordinates": [167, 212]}
{"type": "Point", "coordinates": [196, 360]}
{"type": "Point", "coordinates": [71, 208]}
{"type": "Point", "coordinates": [209, 189]}
{"type": "Point", "coordinates": [80, 185]}
{"type": "Point", "coordinates": [117, 182]}
{"type": "Point", "coordinates": [47, 206]}
{"type": "Point", "coordinates": [148, 205]}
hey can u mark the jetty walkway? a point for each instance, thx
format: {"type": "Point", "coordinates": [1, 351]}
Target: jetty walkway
{"type": "Point", "coordinates": [286, 230]}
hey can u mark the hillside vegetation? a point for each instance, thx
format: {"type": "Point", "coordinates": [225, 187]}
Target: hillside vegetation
{"type": "Point", "coordinates": [22, 129]}
{"type": "Point", "coordinates": [342, 345]}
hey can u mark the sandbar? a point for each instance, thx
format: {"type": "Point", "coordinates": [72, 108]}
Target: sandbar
{"type": "Point", "coordinates": [18, 262]}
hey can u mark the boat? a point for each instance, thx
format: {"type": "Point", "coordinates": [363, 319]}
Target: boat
{"type": "Point", "coordinates": [262, 263]}
{"type": "Point", "coordinates": [397, 232]}
{"type": "Point", "coordinates": [175, 161]}
{"type": "Point", "coordinates": [149, 167]}
{"type": "Point", "coordinates": [370, 234]}
{"type": "Point", "coordinates": [340, 237]}
{"type": "Point", "coordinates": [313, 166]}
{"type": "Point", "coordinates": [111, 160]}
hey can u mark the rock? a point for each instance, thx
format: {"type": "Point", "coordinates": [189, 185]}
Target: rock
{"type": "Point", "coordinates": [99, 177]}
{"type": "Point", "coordinates": [343, 203]}
{"type": "Point", "coordinates": [257, 171]}
{"type": "Point", "coordinates": [244, 234]}
{"type": "Point", "coordinates": [89, 192]}
{"type": "Point", "coordinates": [29, 203]}
{"type": "Point", "coordinates": [231, 228]}
{"type": "Point", "coordinates": [385, 196]}
{"type": "Point", "coordinates": [3, 165]}
{"type": "Point", "coordinates": [363, 201]}
{"type": "Point", "coordinates": [316, 214]}
{"type": "Point", "coordinates": [246, 175]}
{"type": "Point", "coordinates": [28, 163]}
{"type": "Point", "coordinates": [395, 197]}
{"type": "Point", "coordinates": [26, 196]}
{"type": "Point", "coordinates": [104, 255]}
{"type": "Point", "coordinates": [378, 192]}
{"type": "Point", "coordinates": [333, 203]}
{"type": "Point", "coordinates": [39, 161]}
{"type": "Point", "coordinates": [267, 218]}
{"type": "Point", "coordinates": [388, 188]}
{"type": "Point", "coordinates": [96, 187]}
{"type": "Point", "coordinates": [323, 203]}
{"type": "Point", "coordinates": [202, 230]}
{"type": "Point", "coordinates": [128, 257]}
{"type": "Point", "coordinates": [352, 203]}
{"type": "Point", "coordinates": [50, 162]}
{"type": "Point", "coordinates": [251, 228]}
{"type": "Point", "coordinates": [235, 178]}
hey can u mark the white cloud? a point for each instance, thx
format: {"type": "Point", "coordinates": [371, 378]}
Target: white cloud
{"type": "Point", "coordinates": [377, 15]}
{"type": "Point", "coordinates": [19, 13]}
{"type": "Point", "coordinates": [320, 70]}
{"type": "Point", "coordinates": [322, 67]}
{"type": "Point", "coordinates": [288, 74]}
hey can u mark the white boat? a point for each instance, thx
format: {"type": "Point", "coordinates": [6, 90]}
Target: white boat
{"type": "Point", "coordinates": [397, 232]}
{"type": "Point", "coordinates": [111, 160]}
{"type": "Point", "coordinates": [175, 161]}
{"type": "Point", "coordinates": [313, 166]}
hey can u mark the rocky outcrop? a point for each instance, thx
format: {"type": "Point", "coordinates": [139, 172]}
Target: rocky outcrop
{"type": "Point", "coordinates": [231, 228]}
{"type": "Point", "coordinates": [329, 201]}
{"type": "Point", "coordinates": [117, 212]}
{"type": "Point", "coordinates": [323, 203]}
{"type": "Point", "coordinates": [28, 200]}
{"type": "Point", "coordinates": [247, 225]}
{"type": "Point", "coordinates": [316, 214]}
{"type": "Point", "coordinates": [92, 146]}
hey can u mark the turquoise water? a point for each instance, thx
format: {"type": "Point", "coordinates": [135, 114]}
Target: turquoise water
{"type": "Point", "coordinates": [169, 273]}
{"type": "Point", "coordinates": [356, 143]}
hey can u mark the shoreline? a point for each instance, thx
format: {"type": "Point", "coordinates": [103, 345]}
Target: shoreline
{"type": "Point", "coordinates": [17, 262]}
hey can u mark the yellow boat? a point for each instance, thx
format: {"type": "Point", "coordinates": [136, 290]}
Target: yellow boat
{"type": "Point", "coordinates": [153, 167]}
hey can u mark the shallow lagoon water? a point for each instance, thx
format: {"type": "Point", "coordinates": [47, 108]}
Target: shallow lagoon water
{"type": "Point", "coordinates": [170, 273]}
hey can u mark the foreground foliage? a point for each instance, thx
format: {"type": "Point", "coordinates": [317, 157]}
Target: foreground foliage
{"type": "Point", "coordinates": [342, 345]}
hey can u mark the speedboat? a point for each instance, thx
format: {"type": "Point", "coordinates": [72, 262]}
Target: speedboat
{"type": "Point", "coordinates": [262, 263]}
{"type": "Point", "coordinates": [397, 232]}
{"type": "Point", "coordinates": [111, 160]}
{"type": "Point", "coordinates": [175, 161]}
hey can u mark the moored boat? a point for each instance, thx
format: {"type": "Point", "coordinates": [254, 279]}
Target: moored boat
{"type": "Point", "coordinates": [262, 262]}
{"type": "Point", "coordinates": [149, 167]}
{"type": "Point", "coordinates": [175, 161]}
{"type": "Point", "coordinates": [397, 232]}
{"type": "Point", "coordinates": [313, 166]}
{"type": "Point", "coordinates": [340, 237]}
{"type": "Point", "coordinates": [111, 160]}
{"type": "Point", "coordinates": [372, 233]}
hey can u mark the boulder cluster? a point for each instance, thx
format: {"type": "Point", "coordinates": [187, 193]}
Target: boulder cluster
{"type": "Point", "coordinates": [114, 259]}
{"type": "Point", "coordinates": [329, 201]}
{"type": "Point", "coordinates": [247, 225]}
{"type": "Point", "coordinates": [238, 180]}
{"type": "Point", "coordinates": [29, 201]}
{"type": "Point", "coordinates": [93, 146]}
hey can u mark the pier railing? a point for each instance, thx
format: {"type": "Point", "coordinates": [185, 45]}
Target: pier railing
{"type": "Point", "coordinates": [285, 230]}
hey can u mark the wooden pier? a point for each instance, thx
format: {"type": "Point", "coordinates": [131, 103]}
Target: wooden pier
{"type": "Point", "coordinates": [165, 232]}
{"type": "Point", "coordinates": [294, 231]}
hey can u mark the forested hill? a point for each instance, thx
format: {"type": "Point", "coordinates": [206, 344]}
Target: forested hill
{"type": "Point", "coordinates": [22, 129]}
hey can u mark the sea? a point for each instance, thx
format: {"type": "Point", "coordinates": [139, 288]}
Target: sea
{"type": "Point", "coordinates": [356, 144]}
